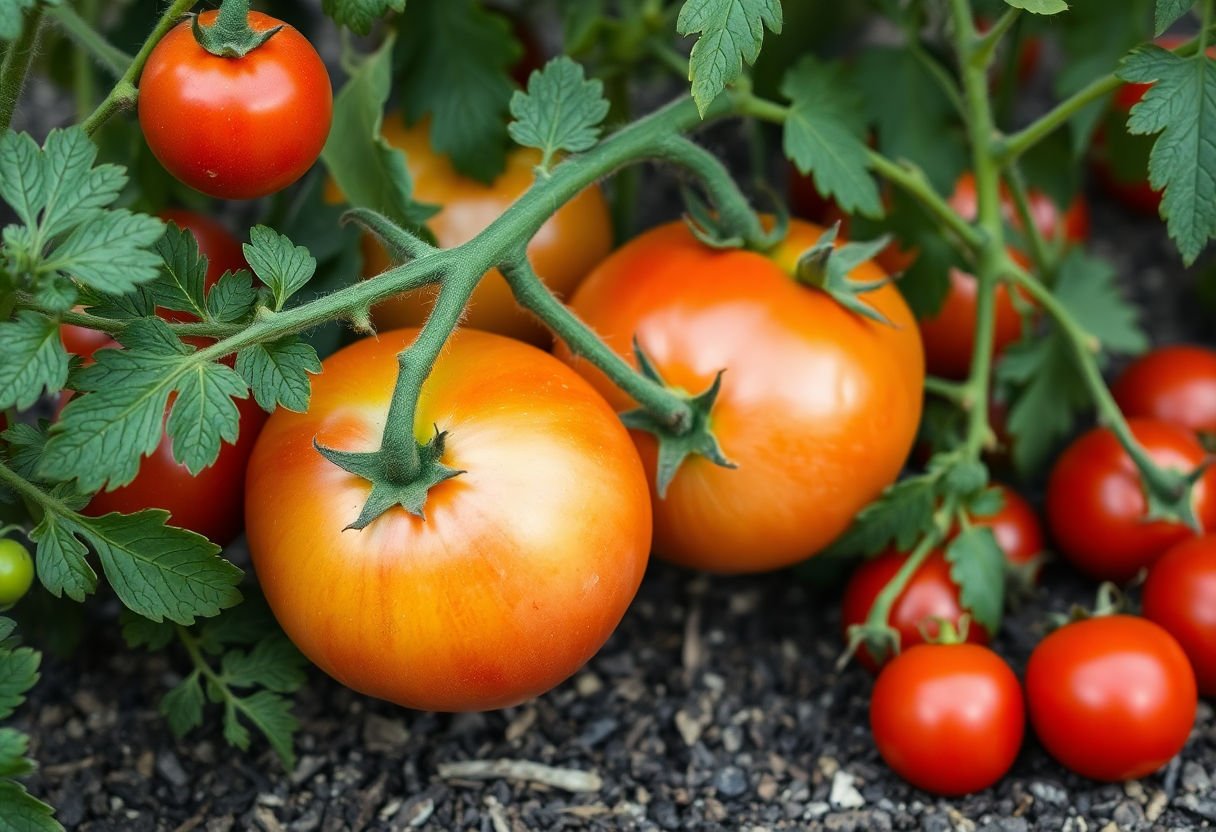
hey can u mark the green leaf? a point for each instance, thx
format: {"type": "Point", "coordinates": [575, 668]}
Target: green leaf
{"type": "Point", "coordinates": [899, 517]}
{"type": "Point", "coordinates": [232, 298]}
{"type": "Point", "coordinates": [561, 110]}
{"type": "Point", "coordinates": [12, 17]}
{"type": "Point", "coordinates": [1168, 12]}
{"type": "Point", "coordinates": [1181, 106]}
{"type": "Point", "coordinates": [270, 714]}
{"type": "Point", "coordinates": [277, 372]}
{"type": "Point", "coordinates": [730, 33]}
{"type": "Point", "coordinates": [56, 292]}
{"type": "Point", "coordinates": [977, 566]}
{"type": "Point", "coordinates": [274, 663]}
{"type": "Point", "coordinates": [247, 623]}
{"type": "Point", "coordinates": [183, 705]}
{"type": "Point", "coordinates": [25, 444]}
{"type": "Point", "coordinates": [280, 264]}
{"type": "Point", "coordinates": [18, 673]}
{"type": "Point", "coordinates": [204, 414]}
{"type": "Point", "coordinates": [138, 631]}
{"type": "Point", "coordinates": [13, 747]}
{"type": "Point", "coordinates": [22, 812]}
{"type": "Point", "coordinates": [183, 272]}
{"type": "Point", "coordinates": [1050, 392]}
{"type": "Point", "coordinates": [1039, 6]}
{"type": "Point", "coordinates": [467, 99]}
{"type": "Point", "coordinates": [360, 15]}
{"type": "Point", "coordinates": [1087, 287]}
{"type": "Point", "coordinates": [824, 135]}
{"type": "Point", "coordinates": [109, 252]}
{"type": "Point", "coordinates": [63, 566]}
{"type": "Point", "coordinates": [32, 360]}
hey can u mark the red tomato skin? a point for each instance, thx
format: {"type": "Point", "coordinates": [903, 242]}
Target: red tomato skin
{"type": "Point", "coordinates": [948, 718]}
{"type": "Point", "coordinates": [1175, 384]}
{"type": "Point", "coordinates": [1111, 698]}
{"type": "Point", "coordinates": [848, 391]}
{"type": "Point", "coordinates": [236, 128]}
{"type": "Point", "coordinates": [929, 595]}
{"type": "Point", "coordinates": [82, 341]}
{"type": "Point", "coordinates": [1096, 508]}
{"type": "Point", "coordinates": [524, 564]}
{"type": "Point", "coordinates": [1180, 595]}
{"type": "Point", "coordinates": [1016, 527]}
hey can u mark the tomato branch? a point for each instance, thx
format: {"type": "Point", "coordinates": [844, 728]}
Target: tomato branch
{"type": "Point", "coordinates": [17, 63]}
{"type": "Point", "coordinates": [115, 326]}
{"type": "Point", "coordinates": [735, 214]}
{"type": "Point", "coordinates": [1044, 260]}
{"type": "Point", "coordinates": [115, 61]}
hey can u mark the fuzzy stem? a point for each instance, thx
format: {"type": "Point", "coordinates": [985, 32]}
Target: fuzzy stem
{"type": "Point", "coordinates": [734, 210]}
{"type": "Point", "coordinates": [17, 64]}
{"type": "Point", "coordinates": [80, 30]}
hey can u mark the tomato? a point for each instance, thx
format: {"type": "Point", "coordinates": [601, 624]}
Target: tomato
{"type": "Point", "coordinates": [82, 341]}
{"type": "Point", "coordinates": [236, 128]}
{"type": "Point", "coordinates": [1176, 384]}
{"type": "Point", "coordinates": [948, 718]}
{"type": "Point", "coordinates": [1068, 228]}
{"type": "Point", "coordinates": [1111, 698]}
{"type": "Point", "coordinates": [1016, 528]}
{"type": "Point", "coordinates": [1180, 595]}
{"type": "Point", "coordinates": [523, 565]}
{"type": "Point", "coordinates": [930, 596]}
{"type": "Point", "coordinates": [567, 246]}
{"type": "Point", "coordinates": [818, 406]}
{"type": "Point", "coordinates": [16, 572]}
{"type": "Point", "coordinates": [1096, 507]}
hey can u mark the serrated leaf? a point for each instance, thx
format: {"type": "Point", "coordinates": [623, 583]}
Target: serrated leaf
{"type": "Point", "coordinates": [56, 293]}
{"type": "Point", "coordinates": [1039, 6]}
{"type": "Point", "coordinates": [63, 566]}
{"type": "Point", "coordinates": [13, 747]}
{"type": "Point", "coordinates": [7, 627]}
{"type": "Point", "coordinates": [22, 812]}
{"type": "Point", "coordinates": [277, 372]}
{"type": "Point", "coordinates": [965, 478]}
{"type": "Point", "coordinates": [25, 444]}
{"type": "Point", "coordinates": [18, 673]}
{"type": "Point", "coordinates": [977, 566]}
{"type": "Point", "coordinates": [32, 360]}
{"type": "Point", "coordinates": [247, 623]}
{"type": "Point", "coordinates": [182, 706]}
{"type": "Point", "coordinates": [731, 32]}
{"type": "Point", "coordinates": [138, 631]}
{"type": "Point", "coordinates": [137, 303]}
{"type": "Point", "coordinates": [204, 415]}
{"type": "Point", "coordinates": [235, 734]}
{"type": "Point", "coordinates": [1050, 392]}
{"type": "Point", "coordinates": [1168, 12]}
{"type": "Point", "coordinates": [279, 263]}
{"type": "Point", "coordinates": [899, 517]}
{"type": "Point", "coordinates": [274, 663]}
{"type": "Point", "coordinates": [467, 100]}
{"type": "Point", "coordinates": [1180, 106]}
{"type": "Point", "coordinates": [232, 298]}
{"type": "Point", "coordinates": [183, 272]}
{"type": "Point", "coordinates": [360, 15]}
{"type": "Point", "coordinates": [270, 714]}
{"type": "Point", "coordinates": [1086, 286]}
{"type": "Point", "coordinates": [561, 110]}
{"type": "Point", "coordinates": [109, 252]}
{"type": "Point", "coordinates": [824, 135]}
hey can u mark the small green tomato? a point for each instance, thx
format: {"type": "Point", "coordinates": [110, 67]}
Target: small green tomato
{"type": "Point", "coordinates": [16, 572]}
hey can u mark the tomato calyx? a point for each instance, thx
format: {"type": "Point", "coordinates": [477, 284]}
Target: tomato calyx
{"type": "Point", "coordinates": [881, 641]}
{"type": "Point", "coordinates": [391, 484]}
{"type": "Point", "coordinates": [947, 632]}
{"type": "Point", "coordinates": [826, 267]}
{"type": "Point", "coordinates": [678, 442]}
{"type": "Point", "coordinates": [1109, 600]}
{"type": "Point", "coordinates": [231, 36]}
{"type": "Point", "coordinates": [1170, 495]}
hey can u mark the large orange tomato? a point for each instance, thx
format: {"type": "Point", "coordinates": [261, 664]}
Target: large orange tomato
{"type": "Point", "coordinates": [523, 565]}
{"type": "Point", "coordinates": [567, 246]}
{"type": "Point", "coordinates": [818, 405]}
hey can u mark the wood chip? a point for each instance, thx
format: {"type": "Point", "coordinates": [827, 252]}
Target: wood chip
{"type": "Point", "coordinates": [567, 779]}
{"type": "Point", "coordinates": [497, 816]}
{"type": "Point", "coordinates": [521, 725]}
{"type": "Point", "coordinates": [693, 652]}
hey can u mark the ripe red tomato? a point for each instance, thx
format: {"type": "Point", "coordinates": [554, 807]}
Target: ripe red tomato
{"type": "Point", "coordinates": [236, 128]}
{"type": "Point", "coordinates": [524, 564]}
{"type": "Point", "coordinates": [818, 406]}
{"type": "Point", "coordinates": [1096, 506]}
{"type": "Point", "coordinates": [1180, 595]}
{"type": "Point", "coordinates": [1176, 384]}
{"type": "Point", "coordinates": [1016, 528]}
{"type": "Point", "coordinates": [930, 596]}
{"type": "Point", "coordinates": [1111, 698]}
{"type": "Point", "coordinates": [948, 718]}
{"type": "Point", "coordinates": [82, 341]}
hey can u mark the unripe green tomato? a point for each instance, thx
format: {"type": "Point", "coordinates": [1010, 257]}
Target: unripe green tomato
{"type": "Point", "coordinates": [16, 572]}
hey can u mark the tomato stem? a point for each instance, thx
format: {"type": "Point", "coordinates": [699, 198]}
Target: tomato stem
{"type": "Point", "coordinates": [735, 214]}
{"type": "Point", "coordinates": [16, 65]}
{"type": "Point", "coordinates": [1043, 259]}
{"type": "Point", "coordinates": [115, 326]}
{"type": "Point", "coordinates": [231, 36]}
{"type": "Point", "coordinates": [77, 26]}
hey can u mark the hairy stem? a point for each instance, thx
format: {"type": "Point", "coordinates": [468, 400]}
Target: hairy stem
{"type": "Point", "coordinates": [734, 210]}
{"type": "Point", "coordinates": [115, 326]}
{"type": "Point", "coordinates": [81, 30]}
{"type": "Point", "coordinates": [17, 64]}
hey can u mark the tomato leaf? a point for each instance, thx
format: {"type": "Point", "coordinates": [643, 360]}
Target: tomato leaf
{"type": "Point", "coordinates": [977, 566]}
{"type": "Point", "coordinates": [467, 99]}
{"type": "Point", "coordinates": [1087, 287]}
{"type": "Point", "coordinates": [1168, 12]}
{"type": "Point", "coordinates": [182, 706]}
{"type": "Point", "coordinates": [232, 298]}
{"type": "Point", "coordinates": [360, 15]}
{"type": "Point", "coordinates": [1180, 106]}
{"type": "Point", "coordinates": [278, 263]}
{"type": "Point", "coordinates": [13, 747]}
{"type": "Point", "coordinates": [18, 673]}
{"type": "Point", "coordinates": [274, 663]}
{"type": "Point", "coordinates": [561, 110]}
{"type": "Point", "coordinates": [182, 274]}
{"type": "Point", "coordinates": [270, 713]}
{"type": "Point", "coordinates": [900, 516]}
{"type": "Point", "coordinates": [63, 566]}
{"type": "Point", "coordinates": [204, 414]}
{"type": "Point", "coordinates": [1039, 6]}
{"type": "Point", "coordinates": [32, 359]}
{"type": "Point", "coordinates": [277, 372]}
{"type": "Point", "coordinates": [730, 33]}
{"type": "Point", "coordinates": [138, 631]}
{"type": "Point", "coordinates": [22, 812]}
{"type": "Point", "coordinates": [824, 135]}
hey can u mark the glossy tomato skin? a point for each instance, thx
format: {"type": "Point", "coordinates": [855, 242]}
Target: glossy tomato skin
{"type": "Point", "coordinates": [1111, 698]}
{"type": "Point", "coordinates": [930, 596]}
{"type": "Point", "coordinates": [524, 564]}
{"type": "Point", "coordinates": [1175, 384]}
{"type": "Point", "coordinates": [1180, 595]}
{"type": "Point", "coordinates": [236, 128]}
{"type": "Point", "coordinates": [1096, 507]}
{"type": "Point", "coordinates": [818, 407]}
{"type": "Point", "coordinates": [82, 341]}
{"type": "Point", "coordinates": [1016, 527]}
{"type": "Point", "coordinates": [565, 249]}
{"type": "Point", "coordinates": [948, 718]}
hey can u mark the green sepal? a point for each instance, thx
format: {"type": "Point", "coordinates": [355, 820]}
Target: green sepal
{"type": "Point", "coordinates": [1173, 500]}
{"type": "Point", "coordinates": [378, 468]}
{"type": "Point", "coordinates": [678, 443]}
{"type": "Point", "coordinates": [826, 266]}
{"type": "Point", "coordinates": [231, 36]}
{"type": "Point", "coordinates": [706, 227]}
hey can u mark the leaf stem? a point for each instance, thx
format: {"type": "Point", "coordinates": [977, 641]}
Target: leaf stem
{"type": "Point", "coordinates": [1040, 255]}
{"type": "Point", "coordinates": [735, 212]}
{"type": "Point", "coordinates": [115, 61]}
{"type": "Point", "coordinates": [114, 326]}
{"type": "Point", "coordinates": [17, 64]}
{"type": "Point", "coordinates": [953, 391]}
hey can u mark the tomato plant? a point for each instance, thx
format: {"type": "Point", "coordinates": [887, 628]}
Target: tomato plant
{"type": "Point", "coordinates": [1096, 507]}
{"type": "Point", "coordinates": [948, 718]}
{"type": "Point", "coordinates": [1016, 527]}
{"type": "Point", "coordinates": [1175, 384]}
{"type": "Point", "coordinates": [231, 123]}
{"type": "Point", "coordinates": [1112, 698]}
{"type": "Point", "coordinates": [16, 572]}
{"type": "Point", "coordinates": [1180, 595]}
{"type": "Point", "coordinates": [514, 576]}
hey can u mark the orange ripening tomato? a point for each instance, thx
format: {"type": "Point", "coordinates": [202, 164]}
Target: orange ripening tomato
{"type": "Point", "coordinates": [523, 565]}
{"type": "Point", "coordinates": [1176, 384]}
{"type": "Point", "coordinates": [818, 406]}
{"type": "Point", "coordinates": [236, 128]}
{"type": "Point", "coordinates": [567, 246]}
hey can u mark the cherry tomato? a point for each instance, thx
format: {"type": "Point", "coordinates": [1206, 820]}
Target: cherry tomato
{"type": "Point", "coordinates": [931, 596]}
{"type": "Point", "coordinates": [948, 718]}
{"type": "Point", "coordinates": [567, 246]}
{"type": "Point", "coordinates": [524, 564]}
{"type": "Point", "coordinates": [1016, 528]}
{"type": "Point", "coordinates": [1175, 384]}
{"type": "Point", "coordinates": [236, 128]}
{"type": "Point", "coordinates": [1096, 507]}
{"type": "Point", "coordinates": [1111, 698]}
{"type": "Point", "coordinates": [16, 572]}
{"type": "Point", "coordinates": [1180, 595]}
{"type": "Point", "coordinates": [82, 341]}
{"type": "Point", "coordinates": [818, 406]}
